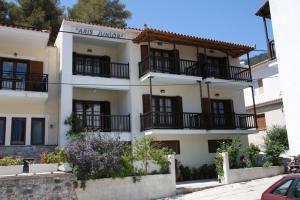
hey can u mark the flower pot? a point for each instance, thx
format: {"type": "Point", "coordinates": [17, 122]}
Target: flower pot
{"type": "Point", "coordinates": [64, 167]}
{"type": "Point", "coordinates": [40, 168]}
{"type": "Point", "coordinates": [11, 170]}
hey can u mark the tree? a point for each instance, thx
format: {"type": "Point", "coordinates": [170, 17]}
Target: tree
{"type": "Point", "coordinates": [41, 14]}
{"type": "Point", "coordinates": [276, 142]}
{"type": "Point", "coordinates": [3, 11]}
{"type": "Point", "coordinates": [107, 12]}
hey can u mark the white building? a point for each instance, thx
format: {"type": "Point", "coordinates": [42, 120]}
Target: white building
{"type": "Point", "coordinates": [285, 20]}
{"type": "Point", "coordinates": [186, 91]}
{"type": "Point", "coordinates": [267, 90]}
{"type": "Point", "coordinates": [28, 104]}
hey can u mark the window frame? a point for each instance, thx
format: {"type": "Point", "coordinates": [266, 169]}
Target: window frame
{"type": "Point", "coordinates": [44, 131]}
{"type": "Point", "coordinates": [176, 142]}
{"type": "Point", "coordinates": [218, 142]}
{"type": "Point", "coordinates": [4, 130]}
{"type": "Point", "coordinates": [13, 128]}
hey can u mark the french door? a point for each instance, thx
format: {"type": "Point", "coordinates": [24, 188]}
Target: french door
{"type": "Point", "coordinates": [160, 60]}
{"type": "Point", "coordinates": [92, 114]}
{"type": "Point", "coordinates": [13, 74]}
{"type": "Point", "coordinates": [222, 113]}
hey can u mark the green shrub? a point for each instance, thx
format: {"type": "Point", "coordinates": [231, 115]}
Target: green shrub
{"type": "Point", "coordinates": [219, 162]}
{"type": "Point", "coordinates": [58, 156]}
{"type": "Point", "coordinates": [7, 160]}
{"type": "Point", "coordinates": [204, 172]}
{"type": "Point", "coordinates": [145, 150]}
{"type": "Point", "coordinates": [276, 142]}
{"type": "Point", "coordinates": [75, 125]}
{"type": "Point", "coordinates": [267, 164]}
{"type": "Point", "coordinates": [233, 149]}
{"type": "Point", "coordinates": [251, 152]}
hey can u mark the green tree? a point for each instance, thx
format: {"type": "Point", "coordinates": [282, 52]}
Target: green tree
{"type": "Point", "coordinates": [252, 151]}
{"type": "Point", "coordinates": [41, 14]}
{"type": "Point", "coordinates": [3, 11]}
{"type": "Point", "coordinates": [107, 12]}
{"type": "Point", "coordinates": [276, 142]}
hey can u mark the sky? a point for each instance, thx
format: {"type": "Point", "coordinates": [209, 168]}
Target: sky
{"type": "Point", "coordinates": [228, 20]}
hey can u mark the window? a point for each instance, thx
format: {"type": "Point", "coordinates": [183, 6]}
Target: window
{"type": "Point", "coordinates": [13, 73]}
{"type": "Point", "coordinates": [18, 131]}
{"type": "Point", "coordinates": [213, 145]}
{"type": "Point", "coordinates": [296, 192]}
{"type": "Point", "coordinates": [261, 122]}
{"type": "Point", "coordinates": [260, 86]}
{"type": "Point", "coordinates": [37, 131]}
{"type": "Point", "coordinates": [2, 130]}
{"type": "Point", "coordinates": [283, 189]}
{"type": "Point", "coordinates": [173, 145]}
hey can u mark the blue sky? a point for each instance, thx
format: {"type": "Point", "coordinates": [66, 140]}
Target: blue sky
{"type": "Point", "coordinates": [229, 20]}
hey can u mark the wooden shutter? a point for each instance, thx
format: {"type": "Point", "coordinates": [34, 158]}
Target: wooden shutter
{"type": "Point", "coordinates": [106, 66]}
{"type": "Point", "coordinates": [35, 76]}
{"type": "Point", "coordinates": [174, 61]}
{"type": "Point", "coordinates": [228, 106]}
{"type": "Point", "coordinates": [229, 113]}
{"type": "Point", "coordinates": [144, 51]}
{"type": "Point", "coordinates": [206, 106]}
{"type": "Point", "coordinates": [146, 103]}
{"type": "Point", "coordinates": [261, 122]}
{"type": "Point", "coordinates": [177, 108]}
{"type": "Point", "coordinates": [106, 121]}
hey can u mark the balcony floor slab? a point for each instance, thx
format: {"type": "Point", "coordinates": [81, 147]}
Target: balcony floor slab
{"type": "Point", "coordinates": [198, 132]}
{"type": "Point", "coordinates": [164, 78]}
{"type": "Point", "coordinates": [23, 96]}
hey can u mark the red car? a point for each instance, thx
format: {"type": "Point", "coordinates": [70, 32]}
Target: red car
{"type": "Point", "coordinates": [287, 188]}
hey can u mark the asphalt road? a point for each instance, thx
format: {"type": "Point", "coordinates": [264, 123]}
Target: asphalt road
{"type": "Point", "coordinates": [250, 190]}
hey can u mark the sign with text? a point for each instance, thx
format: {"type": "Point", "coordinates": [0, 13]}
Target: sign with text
{"type": "Point", "coordinates": [100, 33]}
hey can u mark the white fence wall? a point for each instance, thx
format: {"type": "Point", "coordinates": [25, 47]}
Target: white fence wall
{"type": "Point", "coordinates": [246, 174]}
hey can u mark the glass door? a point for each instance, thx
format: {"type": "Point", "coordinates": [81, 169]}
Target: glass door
{"type": "Point", "coordinates": [7, 74]}
{"type": "Point", "coordinates": [21, 72]}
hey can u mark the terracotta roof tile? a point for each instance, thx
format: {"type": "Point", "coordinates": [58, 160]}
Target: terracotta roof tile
{"type": "Point", "coordinates": [266, 103]}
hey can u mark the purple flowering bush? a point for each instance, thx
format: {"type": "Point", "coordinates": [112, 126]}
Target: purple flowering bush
{"type": "Point", "coordinates": [94, 156]}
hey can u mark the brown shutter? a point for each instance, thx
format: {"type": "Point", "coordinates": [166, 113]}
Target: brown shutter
{"type": "Point", "coordinates": [229, 110]}
{"type": "Point", "coordinates": [144, 51]}
{"type": "Point", "coordinates": [106, 66]}
{"type": "Point", "coordinates": [261, 122]}
{"type": "Point", "coordinates": [146, 103]}
{"type": "Point", "coordinates": [174, 61]}
{"type": "Point", "coordinates": [106, 121]}
{"type": "Point", "coordinates": [177, 108]}
{"type": "Point", "coordinates": [228, 106]}
{"type": "Point", "coordinates": [206, 106]}
{"type": "Point", "coordinates": [35, 79]}
{"type": "Point", "coordinates": [201, 59]}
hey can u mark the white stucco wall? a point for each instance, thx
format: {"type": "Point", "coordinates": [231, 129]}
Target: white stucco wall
{"type": "Point", "coordinates": [285, 17]}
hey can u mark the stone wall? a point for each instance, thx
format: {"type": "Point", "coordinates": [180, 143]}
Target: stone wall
{"type": "Point", "coordinates": [58, 186]}
{"type": "Point", "coordinates": [31, 151]}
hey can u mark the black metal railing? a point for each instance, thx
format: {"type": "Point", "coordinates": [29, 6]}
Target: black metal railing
{"type": "Point", "coordinates": [168, 65]}
{"type": "Point", "coordinates": [192, 68]}
{"type": "Point", "coordinates": [186, 120]}
{"type": "Point", "coordinates": [12, 80]}
{"type": "Point", "coordinates": [104, 123]}
{"type": "Point", "coordinates": [103, 69]}
{"type": "Point", "coordinates": [227, 72]}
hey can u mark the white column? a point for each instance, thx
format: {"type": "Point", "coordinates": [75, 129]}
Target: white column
{"type": "Point", "coordinates": [8, 131]}
{"type": "Point", "coordinates": [66, 89]}
{"type": "Point", "coordinates": [226, 168]}
{"type": "Point", "coordinates": [285, 21]}
{"type": "Point", "coordinates": [28, 131]}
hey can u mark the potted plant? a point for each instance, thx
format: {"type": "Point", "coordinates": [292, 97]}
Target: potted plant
{"type": "Point", "coordinates": [11, 166]}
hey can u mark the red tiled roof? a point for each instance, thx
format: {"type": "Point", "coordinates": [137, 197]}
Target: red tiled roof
{"type": "Point", "coordinates": [266, 103]}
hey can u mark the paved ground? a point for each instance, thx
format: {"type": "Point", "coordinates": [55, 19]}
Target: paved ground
{"type": "Point", "coordinates": [251, 190]}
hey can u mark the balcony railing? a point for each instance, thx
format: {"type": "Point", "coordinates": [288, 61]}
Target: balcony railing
{"type": "Point", "coordinates": [103, 69]}
{"type": "Point", "coordinates": [227, 72]}
{"type": "Point", "coordinates": [104, 123]}
{"type": "Point", "coordinates": [184, 120]}
{"type": "Point", "coordinates": [168, 65]}
{"type": "Point", "coordinates": [11, 80]}
{"type": "Point", "coordinates": [192, 68]}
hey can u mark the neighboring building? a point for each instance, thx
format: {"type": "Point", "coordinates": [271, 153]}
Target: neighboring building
{"type": "Point", "coordinates": [186, 91]}
{"type": "Point", "coordinates": [28, 104]}
{"type": "Point", "coordinates": [266, 82]}
{"type": "Point", "coordinates": [285, 21]}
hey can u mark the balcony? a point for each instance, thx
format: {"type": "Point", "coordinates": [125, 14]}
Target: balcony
{"type": "Point", "coordinates": [169, 66]}
{"type": "Point", "coordinates": [172, 120]}
{"type": "Point", "coordinates": [103, 69]}
{"type": "Point", "coordinates": [192, 68]}
{"type": "Point", "coordinates": [17, 86]}
{"type": "Point", "coordinates": [104, 123]}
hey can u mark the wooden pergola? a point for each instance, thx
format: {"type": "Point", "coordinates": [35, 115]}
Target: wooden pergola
{"type": "Point", "coordinates": [232, 49]}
